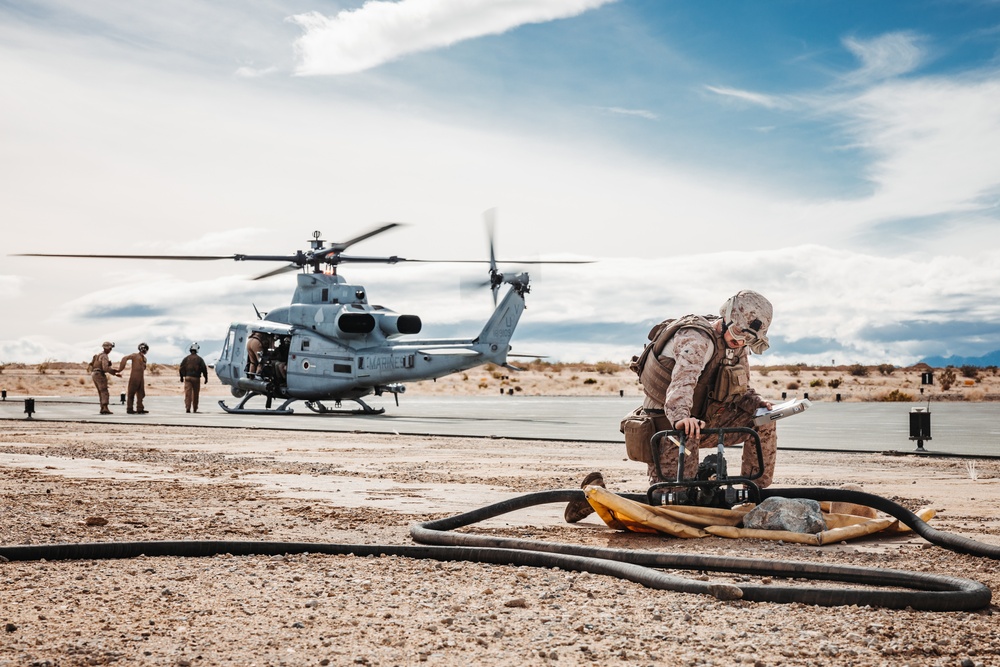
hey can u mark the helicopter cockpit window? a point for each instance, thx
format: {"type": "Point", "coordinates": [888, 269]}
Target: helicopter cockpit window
{"type": "Point", "coordinates": [305, 344]}
{"type": "Point", "coordinates": [228, 345]}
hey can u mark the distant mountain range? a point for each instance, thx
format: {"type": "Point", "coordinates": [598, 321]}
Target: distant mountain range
{"type": "Point", "coordinates": [988, 359]}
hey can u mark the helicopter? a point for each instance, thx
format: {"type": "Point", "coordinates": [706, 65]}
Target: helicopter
{"type": "Point", "coordinates": [331, 345]}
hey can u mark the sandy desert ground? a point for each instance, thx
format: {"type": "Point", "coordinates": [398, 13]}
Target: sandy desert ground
{"type": "Point", "coordinates": [64, 482]}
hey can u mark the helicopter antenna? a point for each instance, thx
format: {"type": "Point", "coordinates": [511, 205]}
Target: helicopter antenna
{"type": "Point", "coordinates": [259, 316]}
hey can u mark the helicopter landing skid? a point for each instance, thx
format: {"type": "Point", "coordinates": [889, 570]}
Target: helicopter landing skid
{"type": "Point", "coordinates": [282, 409]}
{"type": "Point", "coordinates": [366, 409]}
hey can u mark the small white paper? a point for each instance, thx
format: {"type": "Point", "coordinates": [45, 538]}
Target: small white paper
{"type": "Point", "coordinates": [780, 411]}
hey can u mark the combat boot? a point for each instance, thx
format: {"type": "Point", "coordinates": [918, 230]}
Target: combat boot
{"type": "Point", "coordinates": [105, 410]}
{"type": "Point", "coordinates": [578, 509]}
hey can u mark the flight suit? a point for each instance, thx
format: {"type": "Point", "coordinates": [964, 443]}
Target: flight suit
{"type": "Point", "coordinates": [694, 356]}
{"type": "Point", "coordinates": [192, 369]}
{"type": "Point", "coordinates": [102, 366]}
{"type": "Point", "coordinates": [256, 344]}
{"type": "Point", "coordinates": [136, 390]}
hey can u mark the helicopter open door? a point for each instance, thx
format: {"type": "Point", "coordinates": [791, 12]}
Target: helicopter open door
{"type": "Point", "coordinates": [234, 365]}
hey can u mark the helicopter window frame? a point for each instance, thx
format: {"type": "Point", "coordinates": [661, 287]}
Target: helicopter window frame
{"type": "Point", "coordinates": [304, 345]}
{"type": "Point", "coordinates": [227, 347]}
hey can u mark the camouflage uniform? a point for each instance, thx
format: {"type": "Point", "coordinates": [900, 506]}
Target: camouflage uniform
{"type": "Point", "coordinates": [136, 381]}
{"type": "Point", "coordinates": [102, 366]}
{"type": "Point", "coordinates": [696, 357]}
{"type": "Point", "coordinates": [192, 369]}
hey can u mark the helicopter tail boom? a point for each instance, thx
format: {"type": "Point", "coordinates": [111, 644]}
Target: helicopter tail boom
{"type": "Point", "coordinates": [500, 327]}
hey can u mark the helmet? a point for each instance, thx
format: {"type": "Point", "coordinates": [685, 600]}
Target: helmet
{"type": "Point", "coordinates": [194, 347]}
{"type": "Point", "coordinates": [750, 313]}
{"type": "Point", "coordinates": [143, 348]}
{"type": "Point", "coordinates": [107, 343]}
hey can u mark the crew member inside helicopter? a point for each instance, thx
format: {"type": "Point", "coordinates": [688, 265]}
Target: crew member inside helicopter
{"type": "Point", "coordinates": [282, 346]}
{"type": "Point", "coordinates": [273, 361]}
{"type": "Point", "coordinates": [256, 344]}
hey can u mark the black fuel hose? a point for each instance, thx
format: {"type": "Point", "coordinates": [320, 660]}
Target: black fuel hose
{"type": "Point", "coordinates": [930, 592]}
{"type": "Point", "coordinates": [920, 527]}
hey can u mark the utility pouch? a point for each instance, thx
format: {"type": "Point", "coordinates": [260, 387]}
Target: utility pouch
{"type": "Point", "coordinates": [93, 362]}
{"type": "Point", "coordinates": [639, 428]}
{"type": "Point", "coordinates": [731, 383]}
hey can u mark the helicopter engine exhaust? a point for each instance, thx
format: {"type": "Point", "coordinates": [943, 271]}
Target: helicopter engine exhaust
{"type": "Point", "coordinates": [399, 324]}
{"type": "Point", "coordinates": [356, 323]}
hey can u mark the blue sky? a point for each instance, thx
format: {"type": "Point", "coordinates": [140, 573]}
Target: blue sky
{"type": "Point", "coordinates": [838, 157]}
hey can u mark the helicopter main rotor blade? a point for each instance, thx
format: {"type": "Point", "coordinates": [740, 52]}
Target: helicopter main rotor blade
{"type": "Point", "coordinates": [337, 248]}
{"type": "Point", "coordinates": [194, 258]}
{"type": "Point", "coordinates": [278, 271]}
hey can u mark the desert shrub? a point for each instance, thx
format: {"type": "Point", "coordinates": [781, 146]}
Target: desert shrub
{"type": "Point", "coordinates": [817, 383]}
{"type": "Point", "coordinates": [82, 381]}
{"type": "Point", "coordinates": [590, 381]}
{"type": "Point", "coordinates": [518, 388]}
{"type": "Point", "coordinates": [792, 385]}
{"type": "Point", "coordinates": [156, 369]}
{"type": "Point", "coordinates": [971, 372]}
{"type": "Point", "coordinates": [497, 375]}
{"type": "Point", "coordinates": [483, 384]}
{"type": "Point", "coordinates": [834, 383]}
{"type": "Point", "coordinates": [895, 396]}
{"type": "Point", "coordinates": [886, 369]}
{"type": "Point", "coordinates": [774, 382]}
{"type": "Point", "coordinates": [763, 372]}
{"type": "Point", "coordinates": [794, 372]}
{"type": "Point", "coordinates": [43, 367]}
{"type": "Point", "coordinates": [858, 370]}
{"type": "Point", "coordinates": [607, 367]}
{"type": "Point", "coordinates": [947, 378]}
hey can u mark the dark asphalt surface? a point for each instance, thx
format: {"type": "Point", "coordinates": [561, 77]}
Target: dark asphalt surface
{"type": "Point", "coordinates": [966, 429]}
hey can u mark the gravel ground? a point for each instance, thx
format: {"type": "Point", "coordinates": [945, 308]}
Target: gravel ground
{"type": "Point", "coordinates": [63, 482]}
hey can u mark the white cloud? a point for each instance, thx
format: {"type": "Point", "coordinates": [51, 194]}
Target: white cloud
{"type": "Point", "coordinates": [380, 31]}
{"type": "Point", "coordinates": [248, 72]}
{"type": "Point", "coordinates": [934, 143]}
{"type": "Point", "coordinates": [758, 99]}
{"type": "Point", "coordinates": [10, 286]}
{"type": "Point", "coordinates": [640, 113]}
{"type": "Point", "coordinates": [886, 56]}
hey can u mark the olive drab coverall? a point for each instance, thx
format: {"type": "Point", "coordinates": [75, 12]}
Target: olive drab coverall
{"type": "Point", "coordinates": [102, 367]}
{"type": "Point", "coordinates": [192, 369]}
{"type": "Point", "coordinates": [256, 344]}
{"type": "Point", "coordinates": [697, 354]}
{"type": "Point", "coordinates": [136, 381]}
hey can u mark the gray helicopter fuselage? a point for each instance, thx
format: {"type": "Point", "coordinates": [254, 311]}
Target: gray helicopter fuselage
{"type": "Point", "coordinates": [334, 345]}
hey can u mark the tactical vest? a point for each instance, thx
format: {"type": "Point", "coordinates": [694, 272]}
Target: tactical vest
{"type": "Point", "coordinates": [722, 381]}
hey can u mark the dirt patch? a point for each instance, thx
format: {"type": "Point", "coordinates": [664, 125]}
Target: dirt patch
{"type": "Point", "coordinates": [156, 483]}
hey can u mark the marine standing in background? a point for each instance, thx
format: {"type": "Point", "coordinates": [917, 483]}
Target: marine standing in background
{"type": "Point", "coordinates": [192, 369]}
{"type": "Point", "coordinates": [136, 379]}
{"type": "Point", "coordinates": [100, 367]}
